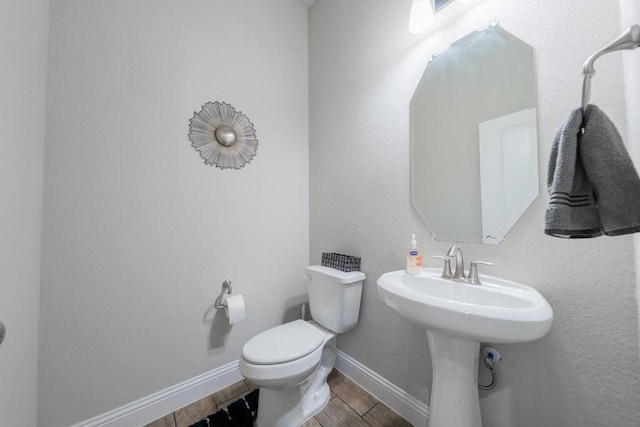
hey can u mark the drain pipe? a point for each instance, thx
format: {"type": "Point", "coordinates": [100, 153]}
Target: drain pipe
{"type": "Point", "coordinates": [491, 355]}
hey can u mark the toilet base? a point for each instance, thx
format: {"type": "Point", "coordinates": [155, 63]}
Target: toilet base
{"type": "Point", "coordinates": [292, 406]}
{"type": "Point", "coordinates": [285, 408]}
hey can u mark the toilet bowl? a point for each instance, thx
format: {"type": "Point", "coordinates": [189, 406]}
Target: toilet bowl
{"type": "Point", "coordinates": [291, 371]}
{"type": "Point", "coordinates": [290, 363]}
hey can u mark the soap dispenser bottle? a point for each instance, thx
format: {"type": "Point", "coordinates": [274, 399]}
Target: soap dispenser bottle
{"type": "Point", "coordinates": [414, 257]}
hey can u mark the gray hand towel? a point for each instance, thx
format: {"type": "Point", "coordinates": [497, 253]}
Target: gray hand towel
{"type": "Point", "coordinates": [592, 182]}
{"type": "Point", "coordinates": [572, 209]}
{"type": "Point", "coordinates": [610, 171]}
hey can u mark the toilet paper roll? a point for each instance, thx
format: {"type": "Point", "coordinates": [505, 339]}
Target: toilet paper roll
{"type": "Point", "coordinates": [234, 309]}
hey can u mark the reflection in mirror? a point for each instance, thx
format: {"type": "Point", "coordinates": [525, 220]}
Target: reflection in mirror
{"type": "Point", "coordinates": [474, 158]}
{"type": "Point", "coordinates": [440, 4]}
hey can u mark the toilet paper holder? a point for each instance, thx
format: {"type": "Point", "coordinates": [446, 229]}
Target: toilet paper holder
{"type": "Point", "coordinates": [226, 290]}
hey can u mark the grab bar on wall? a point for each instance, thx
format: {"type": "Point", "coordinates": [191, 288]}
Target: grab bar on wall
{"type": "Point", "coordinates": [629, 39]}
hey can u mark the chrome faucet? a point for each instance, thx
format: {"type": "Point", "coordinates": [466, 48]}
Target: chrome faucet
{"type": "Point", "coordinates": [458, 274]}
{"type": "Point", "coordinates": [473, 276]}
{"type": "Point", "coordinates": [446, 271]}
{"type": "Point", "coordinates": [455, 251]}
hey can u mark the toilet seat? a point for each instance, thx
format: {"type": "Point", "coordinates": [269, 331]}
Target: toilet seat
{"type": "Point", "coordinates": [282, 344]}
{"type": "Point", "coordinates": [304, 349]}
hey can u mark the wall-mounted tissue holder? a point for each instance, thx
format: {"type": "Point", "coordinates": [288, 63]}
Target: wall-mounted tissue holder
{"type": "Point", "coordinates": [233, 305]}
{"type": "Point", "coordinates": [226, 290]}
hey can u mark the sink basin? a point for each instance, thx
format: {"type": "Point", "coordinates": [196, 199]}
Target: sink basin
{"type": "Point", "coordinates": [496, 311]}
{"type": "Point", "coordinates": [457, 317]}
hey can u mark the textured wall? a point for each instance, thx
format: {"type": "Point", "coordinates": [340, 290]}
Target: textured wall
{"type": "Point", "coordinates": [138, 233]}
{"type": "Point", "coordinates": [364, 66]}
{"type": "Point", "coordinates": [23, 68]}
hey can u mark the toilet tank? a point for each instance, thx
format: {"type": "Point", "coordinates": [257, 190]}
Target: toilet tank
{"type": "Point", "coordinates": [334, 297]}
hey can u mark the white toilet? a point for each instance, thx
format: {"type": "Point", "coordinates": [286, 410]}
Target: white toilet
{"type": "Point", "coordinates": [290, 363]}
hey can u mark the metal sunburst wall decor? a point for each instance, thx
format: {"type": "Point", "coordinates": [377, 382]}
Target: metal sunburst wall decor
{"type": "Point", "coordinates": [223, 136]}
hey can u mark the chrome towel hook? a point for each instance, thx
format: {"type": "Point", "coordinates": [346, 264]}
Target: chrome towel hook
{"type": "Point", "coordinates": [629, 39]}
{"type": "Point", "coordinates": [226, 290]}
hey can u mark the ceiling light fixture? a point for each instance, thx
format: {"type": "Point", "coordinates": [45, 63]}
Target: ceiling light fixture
{"type": "Point", "coordinates": [421, 16]}
{"type": "Point", "coordinates": [423, 13]}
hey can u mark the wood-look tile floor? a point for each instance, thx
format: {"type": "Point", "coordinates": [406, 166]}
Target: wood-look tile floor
{"type": "Point", "coordinates": [350, 406]}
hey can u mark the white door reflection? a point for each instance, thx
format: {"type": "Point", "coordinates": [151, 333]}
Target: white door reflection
{"type": "Point", "coordinates": [508, 171]}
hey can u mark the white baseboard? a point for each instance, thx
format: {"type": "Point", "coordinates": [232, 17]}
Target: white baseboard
{"type": "Point", "coordinates": [407, 406]}
{"type": "Point", "coordinates": [157, 405]}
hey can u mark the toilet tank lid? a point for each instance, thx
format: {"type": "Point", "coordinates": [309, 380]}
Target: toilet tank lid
{"type": "Point", "coordinates": [335, 275]}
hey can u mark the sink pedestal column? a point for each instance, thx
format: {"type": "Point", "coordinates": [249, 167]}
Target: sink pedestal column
{"type": "Point", "coordinates": [454, 390]}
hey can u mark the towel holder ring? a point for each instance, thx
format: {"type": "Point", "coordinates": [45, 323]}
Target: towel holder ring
{"type": "Point", "coordinates": [226, 290]}
{"type": "Point", "coordinates": [628, 40]}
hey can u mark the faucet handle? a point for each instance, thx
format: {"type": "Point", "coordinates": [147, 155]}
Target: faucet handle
{"type": "Point", "coordinates": [446, 271]}
{"type": "Point", "coordinates": [474, 278]}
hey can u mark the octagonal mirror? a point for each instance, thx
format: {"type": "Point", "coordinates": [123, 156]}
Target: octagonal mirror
{"type": "Point", "coordinates": [474, 156]}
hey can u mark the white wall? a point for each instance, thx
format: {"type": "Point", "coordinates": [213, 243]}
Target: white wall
{"type": "Point", "coordinates": [364, 66]}
{"type": "Point", "coordinates": [139, 234]}
{"type": "Point", "coordinates": [23, 67]}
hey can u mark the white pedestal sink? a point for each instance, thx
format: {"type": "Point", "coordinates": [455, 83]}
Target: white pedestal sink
{"type": "Point", "coordinates": [458, 317]}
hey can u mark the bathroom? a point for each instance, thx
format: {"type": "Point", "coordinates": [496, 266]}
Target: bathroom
{"type": "Point", "coordinates": [116, 237]}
